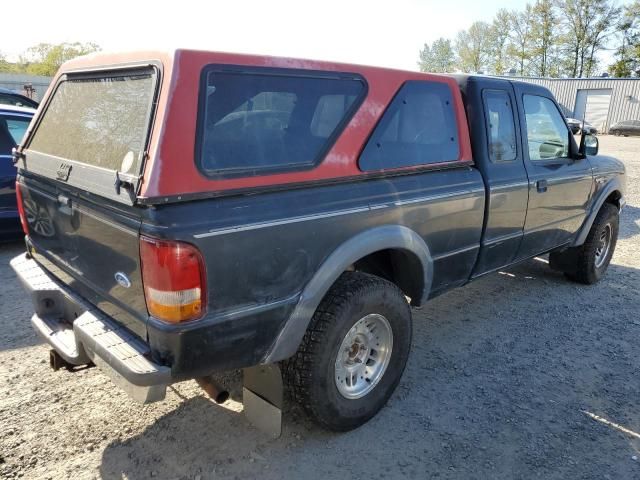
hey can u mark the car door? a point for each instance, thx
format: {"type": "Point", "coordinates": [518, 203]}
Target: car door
{"type": "Point", "coordinates": [559, 183]}
{"type": "Point", "coordinates": [498, 153]}
{"type": "Point", "coordinates": [625, 128]}
{"type": "Point", "coordinates": [12, 128]}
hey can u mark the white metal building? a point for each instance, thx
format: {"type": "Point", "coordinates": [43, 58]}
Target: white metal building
{"type": "Point", "coordinates": [600, 101]}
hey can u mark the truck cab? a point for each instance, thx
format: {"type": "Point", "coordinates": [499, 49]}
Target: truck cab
{"type": "Point", "coordinates": [540, 188]}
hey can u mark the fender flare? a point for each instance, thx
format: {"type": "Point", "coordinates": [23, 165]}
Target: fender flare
{"type": "Point", "coordinates": [613, 185]}
{"type": "Point", "coordinates": [367, 242]}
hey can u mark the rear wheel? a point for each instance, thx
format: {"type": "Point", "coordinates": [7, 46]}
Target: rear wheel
{"type": "Point", "coordinates": [588, 263]}
{"type": "Point", "coordinates": [354, 352]}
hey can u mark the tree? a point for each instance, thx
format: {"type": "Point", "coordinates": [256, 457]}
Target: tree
{"type": "Point", "coordinates": [521, 36]}
{"type": "Point", "coordinates": [549, 38]}
{"type": "Point", "coordinates": [473, 47]}
{"type": "Point", "coordinates": [499, 34]}
{"type": "Point", "coordinates": [425, 60]}
{"type": "Point", "coordinates": [543, 36]}
{"type": "Point", "coordinates": [628, 53]}
{"type": "Point", "coordinates": [439, 58]}
{"type": "Point", "coordinates": [588, 25]}
{"type": "Point", "coordinates": [603, 27]}
{"type": "Point", "coordinates": [45, 58]}
{"type": "Point", "coordinates": [4, 65]}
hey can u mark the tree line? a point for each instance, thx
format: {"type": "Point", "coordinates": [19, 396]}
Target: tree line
{"type": "Point", "coordinates": [549, 38]}
{"type": "Point", "coordinates": [46, 58]}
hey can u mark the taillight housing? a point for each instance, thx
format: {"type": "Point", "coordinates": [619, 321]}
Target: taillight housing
{"type": "Point", "coordinates": [23, 216]}
{"type": "Point", "coordinates": [174, 279]}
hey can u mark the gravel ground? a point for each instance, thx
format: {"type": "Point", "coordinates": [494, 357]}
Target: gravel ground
{"type": "Point", "coordinates": [518, 375]}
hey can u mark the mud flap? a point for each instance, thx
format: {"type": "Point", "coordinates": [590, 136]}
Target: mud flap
{"type": "Point", "coordinates": [565, 260]}
{"type": "Point", "coordinates": [263, 398]}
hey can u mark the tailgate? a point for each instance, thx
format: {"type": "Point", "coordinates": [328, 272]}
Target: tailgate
{"type": "Point", "coordinates": [91, 248]}
{"type": "Point", "coordinates": [79, 171]}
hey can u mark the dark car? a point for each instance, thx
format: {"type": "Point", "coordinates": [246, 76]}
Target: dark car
{"type": "Point", "coordinates": [626, 128]}
{"type": "Point", "coordinates": [13, 124]}
{"type": "Point", "coordinates": [195, 212]}
{"type": "Point", "coordinates": [578, 125]}
{"type": "Point", "coordinates": [574, 124]}
{"type": "Point", "coordinates": [9, 97]}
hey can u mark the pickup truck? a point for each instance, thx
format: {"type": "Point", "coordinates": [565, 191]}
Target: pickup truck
{"type": "Point", "coordinates": [188, 213]}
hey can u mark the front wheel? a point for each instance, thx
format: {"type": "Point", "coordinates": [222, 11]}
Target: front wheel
{"type": "Point", "coordinates": [354, 352]}
{"type": "Point", "coordinates": [588, 263]}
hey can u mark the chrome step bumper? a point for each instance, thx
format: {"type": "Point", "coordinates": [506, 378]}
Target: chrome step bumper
{"type": "Point", "coordinates": [81, 333]}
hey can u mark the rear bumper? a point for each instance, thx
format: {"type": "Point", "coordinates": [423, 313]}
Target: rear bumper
{"type": "Point", "coordinates": [80, 333]}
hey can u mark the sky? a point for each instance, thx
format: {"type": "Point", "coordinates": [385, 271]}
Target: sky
{"type": "Point", "coordinates": [383, 33]}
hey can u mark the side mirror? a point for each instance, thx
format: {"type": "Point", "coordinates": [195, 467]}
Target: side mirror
{"type": "Point", "coordinates": [591, 144]}
{"type": "Point", "coordinates": [588, 145]}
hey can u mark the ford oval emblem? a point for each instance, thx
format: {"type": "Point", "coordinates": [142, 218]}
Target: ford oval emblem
{"type": "Point", "coordinates": [122, 280]}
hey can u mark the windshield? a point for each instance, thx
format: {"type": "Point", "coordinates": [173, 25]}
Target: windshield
{"type": "Point", "coordinates": [100, 121]}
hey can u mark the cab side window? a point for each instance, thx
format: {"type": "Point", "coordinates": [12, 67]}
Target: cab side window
{"type": "Point", "coordinates": [547, 134]}
{"type": "Point", "coordinates": [500, 126]}
{"type": "Point", "coordinates": [418, 128]}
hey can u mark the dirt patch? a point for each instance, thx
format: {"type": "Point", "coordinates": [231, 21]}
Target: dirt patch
{"type": "Point", "coordinates": [503, 381]}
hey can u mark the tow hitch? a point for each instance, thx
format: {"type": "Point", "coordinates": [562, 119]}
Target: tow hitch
{"type": "Point", "coordinates": [57, 362]}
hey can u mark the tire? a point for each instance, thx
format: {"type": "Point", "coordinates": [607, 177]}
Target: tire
{"type": "Point", "coordinates": [312, 373]}
{"type": "Point", "coordinates": [616, 133]}
{"type": "Point", "coordinates": [592, 258]}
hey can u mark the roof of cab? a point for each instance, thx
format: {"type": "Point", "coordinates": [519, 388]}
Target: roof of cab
{"type": "Point", "coordinates": [465, 79]}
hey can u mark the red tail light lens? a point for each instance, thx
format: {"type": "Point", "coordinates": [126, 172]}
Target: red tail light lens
{"type": "Point", "coordinates": [174, 280]}
{"type": "Point", "coordinates": [23, 216]}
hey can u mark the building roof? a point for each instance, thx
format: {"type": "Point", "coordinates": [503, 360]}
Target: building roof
{"type": "Point", "coordinates": [587, 79]}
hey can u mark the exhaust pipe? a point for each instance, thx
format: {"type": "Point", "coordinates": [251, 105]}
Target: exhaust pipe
{"type": "Point", "coordinates": [213, 389]}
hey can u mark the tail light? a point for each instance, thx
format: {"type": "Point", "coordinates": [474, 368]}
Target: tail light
{"type": "Point", "coordinates": [174, 280]}
{"type": "Point", "coordinates": [23, 216]}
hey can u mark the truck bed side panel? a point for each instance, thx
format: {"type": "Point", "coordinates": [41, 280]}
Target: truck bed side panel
{"type": "Point", "coordinates": [261, 250]}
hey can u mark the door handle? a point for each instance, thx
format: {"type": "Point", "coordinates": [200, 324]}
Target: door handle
{"type": "Point", "coordinates": [64, 201]}
{"type": "Point", "coordinates": [541, 186]}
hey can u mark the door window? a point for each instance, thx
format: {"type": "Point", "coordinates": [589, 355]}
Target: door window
{"type": "Point", "coordinates": [547, 134]}
{"type": "Point", "coordinates": [500, 126]}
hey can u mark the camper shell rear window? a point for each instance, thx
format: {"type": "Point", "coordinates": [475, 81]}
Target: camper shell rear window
{"type": "Point", "coordinates": [99, 120]}
{"type": "Point", "coordinates": [257, 121]}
